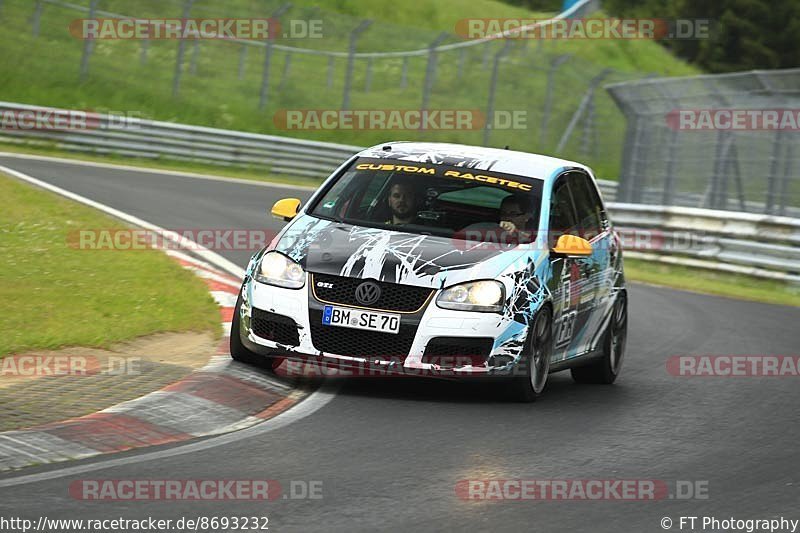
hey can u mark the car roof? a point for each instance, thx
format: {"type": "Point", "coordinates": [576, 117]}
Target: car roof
{"type": "Point", "coordinates": [477, 157]}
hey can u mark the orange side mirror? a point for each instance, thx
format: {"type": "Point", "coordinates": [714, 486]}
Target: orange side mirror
{"type": "Point", "coordinates": [286, 208]}
{"type": "Point", "coordinates": [572, 246]}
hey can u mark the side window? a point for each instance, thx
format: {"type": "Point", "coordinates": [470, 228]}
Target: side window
{"type": "Point", "coordinates": [587, 205]}
{"type": "Point", "coordinates": [562, 212]}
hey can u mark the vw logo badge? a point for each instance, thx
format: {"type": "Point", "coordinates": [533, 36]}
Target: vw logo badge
{"type": "Point", "coordinates": [368, 293]}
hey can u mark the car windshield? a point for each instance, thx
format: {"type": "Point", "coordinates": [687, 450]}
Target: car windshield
{"type": "Point", "coordinates": [433, 199]}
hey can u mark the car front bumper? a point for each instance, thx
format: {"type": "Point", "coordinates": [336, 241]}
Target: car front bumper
{"type": "Point", "coordinates": [431, 322]}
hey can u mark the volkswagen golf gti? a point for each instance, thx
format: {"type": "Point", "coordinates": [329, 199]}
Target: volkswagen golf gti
{"type": "Point", "coordinates": [443, 260]}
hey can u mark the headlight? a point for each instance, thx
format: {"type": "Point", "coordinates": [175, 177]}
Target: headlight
{"type": "Point", "coordinates": [277, 269]}
{"type": "Point", "coordinates": [485, 296]}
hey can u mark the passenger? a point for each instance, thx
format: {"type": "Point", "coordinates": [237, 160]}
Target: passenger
{"type": "Point", "coordinates": [516, 214]}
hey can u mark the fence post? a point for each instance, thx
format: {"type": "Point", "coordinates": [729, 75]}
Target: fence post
{"type": "Point", "coordinates": [787, 169]}
{"type": "Point", "coordinates": [462, 56]}
{"type": "Point", "coordinates": [404, 74]}
{"type": "Point", "coordinates": [668, 195]}
{"type": "Point", "coordinates": [588, 137]}
{"type": "Point", "coordinates": [351, 51]}
{"type": "Point", "coordinates": [487, 50]}
{"type": "Point", "coordinates": [143, 53]}
{"type": "Point", "coordinates": [548, 97]}
{"type": "Point", "coordinates": [37, 17]}
{"type": "Point", "coordinates": [717, 192]}
{"type": "Point", "coordinates": [629, 150]}
{"type": "Point", "coordinates": [487, 128]}
{"type": "Point", "coordinates": [176, 82]}
{"type": "Point", "coordinates": [287, 67]}
{"type": "Point", "coordinates": [368, 76]}
{"type": "Point", "coordinates": [195, 53]}
{"type": "Point", "coordinates": [264, 93]}
{"type": "Point", "coordinates": [777, 148]}
{"type": "Point", "coordinates": [88, 46]}
{"type": "Point", "coordinates": [331, 61]}
{"type": "Point", "coordinates": [430, 70]}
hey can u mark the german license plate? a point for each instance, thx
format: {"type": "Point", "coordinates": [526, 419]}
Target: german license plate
{"type": "Point", "coordinates": [356, 318]}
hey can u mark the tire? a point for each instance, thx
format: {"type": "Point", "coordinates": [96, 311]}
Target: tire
{"type": "Point", "coordinates": [238, 350]}
{"type": "Point", "coordinates": [606, 369]}
{"type": "Point", "coordinates": [538, 351]}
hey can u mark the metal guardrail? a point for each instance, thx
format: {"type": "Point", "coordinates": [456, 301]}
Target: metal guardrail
{"type": "Point", "coordinates": [109, 134]}
{"type": "Point", "coordinates": [117, 135]}
{"type": "Point", "coordinates": [762, 246]}
{"type": "Point", "coordinates": [756, 245]}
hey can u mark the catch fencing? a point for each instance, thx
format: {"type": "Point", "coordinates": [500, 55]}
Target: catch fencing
{"type": "Point", "coordinates": [724, 142]}
{"type": "Point", "coordinates": [356, 64]}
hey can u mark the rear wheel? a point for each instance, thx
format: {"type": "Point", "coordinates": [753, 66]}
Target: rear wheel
{"type": "Point", "coordinates": [606, 369]}
{"type": "Point", "coordinates": [538, 351]}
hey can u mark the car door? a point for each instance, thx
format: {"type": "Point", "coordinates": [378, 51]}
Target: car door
{"type": "Point", "coordinates": [596, 269]}
{"type": "Point", "coordinates": [570, 281]}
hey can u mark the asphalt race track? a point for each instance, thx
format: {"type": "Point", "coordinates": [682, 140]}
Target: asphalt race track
{"type": "Point", "coordinates": [390, 452]}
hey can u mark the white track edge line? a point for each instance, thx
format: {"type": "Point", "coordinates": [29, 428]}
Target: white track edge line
{"type": "Point", "coordinates": [213, 258]}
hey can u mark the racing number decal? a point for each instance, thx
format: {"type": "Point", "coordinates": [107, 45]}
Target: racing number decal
{"type": "Point", "coordinates": [566, 322]}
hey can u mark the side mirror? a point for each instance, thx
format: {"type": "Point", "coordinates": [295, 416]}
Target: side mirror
{"type": "Point", "coordinates": [286, 208]}
{"type": "Point", "coordinates": [572, 246]}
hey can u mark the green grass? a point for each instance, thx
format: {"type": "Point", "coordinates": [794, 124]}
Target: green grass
{"type": "Point", "coordinates": [709, 282]}
{"type": "Point", "coordinates": [54, 295]}
{"type": "Point", "coordinates": [44, 70]}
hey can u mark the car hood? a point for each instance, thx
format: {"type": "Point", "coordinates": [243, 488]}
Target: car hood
{"type": "Point", "coordinates": [340, 249]}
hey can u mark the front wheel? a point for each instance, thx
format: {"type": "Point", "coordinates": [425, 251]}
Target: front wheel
{"type": "Point", "coordinates": [238, 350]}
{"type": "Point", "coordinates": [538, 351]}
{"type": "Point", "coordinates": [606, 369]}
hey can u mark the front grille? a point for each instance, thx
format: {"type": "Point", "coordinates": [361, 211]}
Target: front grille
{"type": "Point", "coordinates": [450, 352]}
{"type": "Point", "coordinates": [359, 343]}
{"type": "Point", "coordinates": [275, 327]}
{"type": "Point", "coordinates": [394, 297]}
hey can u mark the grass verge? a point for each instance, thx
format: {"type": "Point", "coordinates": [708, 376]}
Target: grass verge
{"type": "Point", "coordinates": [53, 295]}
{"type": "Point", "coordinates": [709, 282]}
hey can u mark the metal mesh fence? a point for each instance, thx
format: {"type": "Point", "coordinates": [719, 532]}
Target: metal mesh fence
{"type": "Point", "coordinates": [242, 84]}
{"type": "Point", "coordinates": [725, 142]}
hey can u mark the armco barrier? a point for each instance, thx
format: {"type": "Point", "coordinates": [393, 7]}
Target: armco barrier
{"type": "Point", "coordinates": [756, 245]}
{"type": "Point", "coordinates": [762, 246]}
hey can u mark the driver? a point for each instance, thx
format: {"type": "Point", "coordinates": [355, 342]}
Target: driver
{"type": "Point", "coordinates": [516, 215]}
{"type": "Point", "coordinates": [402, 204]}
